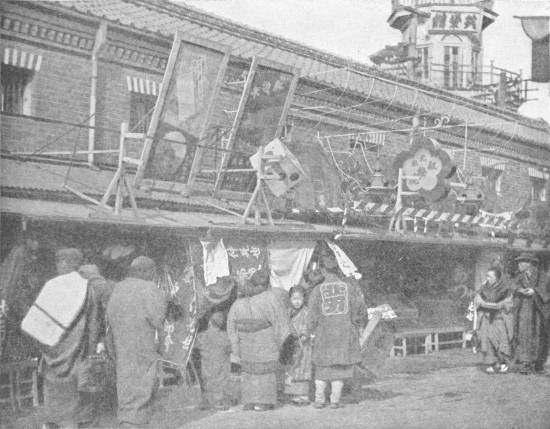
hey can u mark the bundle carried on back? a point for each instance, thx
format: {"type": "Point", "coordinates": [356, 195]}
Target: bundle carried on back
{"type": "Point", "coordinates": [57, 307]}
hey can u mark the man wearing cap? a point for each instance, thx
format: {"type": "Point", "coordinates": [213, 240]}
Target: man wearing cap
{"type": "Point", "coordinates": [531, 327]}
{"type": "Point", "coordinates": [64, 406]}
{"type": "Point", "coordinates": [135, 312]}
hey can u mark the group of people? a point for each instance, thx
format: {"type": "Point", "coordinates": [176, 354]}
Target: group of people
{"type": "Point", "coordinates": [285, 344]}
{"type": "Point", "coordinates": [513, 320]}
{"type": "Point", "coordinates": [120, 319]}
{"type": "Point", "coordinates": [288, 345]}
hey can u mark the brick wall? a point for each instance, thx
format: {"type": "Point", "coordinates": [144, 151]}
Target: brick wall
{"type": "Point", "coordinates": [60, 90]}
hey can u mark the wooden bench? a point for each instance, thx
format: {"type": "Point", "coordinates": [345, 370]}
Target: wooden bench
{"type": "Point", "coordinates": [427, 340]}
{"type": "Point", "coordinates": [19, 383]}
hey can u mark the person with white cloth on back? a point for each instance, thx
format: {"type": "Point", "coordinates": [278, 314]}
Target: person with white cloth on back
{"type": "Point", "coordinates": [64, 405]}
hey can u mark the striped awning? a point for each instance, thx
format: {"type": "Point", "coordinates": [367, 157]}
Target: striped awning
{"type": "Point", "coordinates": [538, 173]}
{"type": "Point", "coordinates": [376, 138]}
{"type": "Point", "coordinates": [142, 86]}
{"type": "Point", "coordinates": [497, 164]}
{"type": "Point", "coordinates": [18, 58]}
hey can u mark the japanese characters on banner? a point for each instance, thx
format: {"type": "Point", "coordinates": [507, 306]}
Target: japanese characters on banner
{"type": "Point", "coordinates": [180, 332]}
{"type": "Point", "coordinates": [245, 258]}
{"type": "Point", "coordinates": [453, 21]}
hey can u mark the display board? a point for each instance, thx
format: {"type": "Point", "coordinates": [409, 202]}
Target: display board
{"type": "Point", "coordinates": [180, 122]}
{"type": "Point", "coordinates": [260, 118]}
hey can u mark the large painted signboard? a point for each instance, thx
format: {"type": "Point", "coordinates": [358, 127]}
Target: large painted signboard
{"type": "Point", "coordinates": [180, 123]}
{"type": "Point", "coordinates": [260, 118]}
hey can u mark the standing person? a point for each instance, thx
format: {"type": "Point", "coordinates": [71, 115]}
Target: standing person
{"type": "Point", "coordinates": [135, 313]}
{"type": "Point", "coordinates": [495, 321]}
{"type": "Point", "coordinates": [299, 375]}
{"type": "Point", "coordinates": [531, 318]}
{"type": "Point", "coordinates": [337, 311]}
{"type": "Point", "coordinates": [215, 350]}
{"type": "Point", "coordinates": [64, 405]}
{"type": "Point", "coordinates": [257, 325]}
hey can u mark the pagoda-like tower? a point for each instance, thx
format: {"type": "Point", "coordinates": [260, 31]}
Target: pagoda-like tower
{"type": "Point", "coordinates": [442, 40]}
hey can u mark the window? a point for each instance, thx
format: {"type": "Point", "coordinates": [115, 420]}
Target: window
{"type": "Point", "coordinates": [475, 67]}
{"type": "Point", "coordinates": [141, 106]}
{"type": "Point", "coordinates": [15, 89]}
{"type": "Point", "coordinates": [538, 189]}
{"type": "Point", "coordinates": [494, 179]}
{"type": "Point", "coordinates": [451, 61]}
{"type": "Point", "coordinates": [425, 62]}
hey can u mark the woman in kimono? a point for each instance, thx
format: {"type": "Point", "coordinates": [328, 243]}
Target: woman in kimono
{"type": "Point", "coordinates": [495, 319]}
{"type": "Point", "coordinates": [257, 325]}
{"type": "Point", "coordinates": [299, 374]}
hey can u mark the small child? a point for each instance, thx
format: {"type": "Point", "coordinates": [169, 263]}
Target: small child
{"type": "Point", "coordinates": [299, 374]}
{"type": "Point", "coordinates": [215, 350]}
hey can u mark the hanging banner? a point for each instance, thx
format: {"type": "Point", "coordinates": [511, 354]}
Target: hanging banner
{"type": "Point", "coordinates": [288, 261]}
{"type": "Point", "coordinates": [180, 120]}
{"type": "Point", "coordinates": [245, 258]}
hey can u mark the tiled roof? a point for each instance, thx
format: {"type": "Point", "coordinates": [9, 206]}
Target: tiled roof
{"type": "Point", "coordinates": [41, 178]}
{"type": "Point", "coordinates": [165, 18]}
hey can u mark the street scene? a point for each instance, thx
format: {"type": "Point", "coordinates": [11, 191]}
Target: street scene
{"type": "Point", "coordinates": [275, 214]}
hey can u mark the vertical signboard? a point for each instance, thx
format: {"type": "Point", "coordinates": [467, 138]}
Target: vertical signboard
{"type": "Point", "coordinates": [260, 118]}
{"type": "Point", "coordinates": [180, 122]}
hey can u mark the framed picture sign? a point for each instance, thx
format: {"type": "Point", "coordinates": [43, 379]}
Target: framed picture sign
{"type": "Point", "coordinates": [260, 118]}
{"type": "Point", "coordinates": [180, 122]}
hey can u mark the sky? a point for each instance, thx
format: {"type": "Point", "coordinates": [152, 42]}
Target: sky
{"type": "Point", "coordinates": [359, 28]}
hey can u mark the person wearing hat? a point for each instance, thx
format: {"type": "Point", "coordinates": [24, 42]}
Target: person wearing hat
{"type": "Point", "coordinates": [135, 314]}
{"type": "Point", "coordinates": [64, 405]}
{"type": "Point", "coordinates": [531, 328]}
{"type": "Point", "coordinates": [257, 325]}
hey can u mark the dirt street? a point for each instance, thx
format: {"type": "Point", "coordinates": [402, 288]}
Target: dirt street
{"type": "Point", "coordinates": [448, 398]}
{"type": "Point", "coordinates": [443, 390]}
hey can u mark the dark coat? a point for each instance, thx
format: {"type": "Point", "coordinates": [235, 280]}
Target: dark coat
{"type": "Point", "coordinates": [337, 312]}
{"type": "Point", "coordinates": [135, 312]}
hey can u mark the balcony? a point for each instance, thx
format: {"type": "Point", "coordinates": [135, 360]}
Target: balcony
{"type": "Point", "coordinates": [489, 84]}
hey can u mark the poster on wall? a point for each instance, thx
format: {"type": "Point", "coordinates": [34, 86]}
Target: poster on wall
{"type": "Point", "coordinates": [260, 118]}
{"type": "Point", "coordinates": [180, 121]}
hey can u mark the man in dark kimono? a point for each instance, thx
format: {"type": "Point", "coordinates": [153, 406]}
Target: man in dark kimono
{"type": "Point", "coordinates": [337, 312]}
{"type": "Point", "coordinates": [136, 311]}
{"type": "Point", "coordinates": [531, 327]}
{"type": "Point", "coordinates": [64, 405]}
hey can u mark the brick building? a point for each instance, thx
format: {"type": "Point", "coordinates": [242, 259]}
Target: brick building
{"type": "Point", "coordinates": [73, 71]}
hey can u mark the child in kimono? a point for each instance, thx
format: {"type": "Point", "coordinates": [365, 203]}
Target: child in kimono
{"type": "Point", "coordinates": [215, 350]}
{"type": "Point", "coordinates": [298, 377]}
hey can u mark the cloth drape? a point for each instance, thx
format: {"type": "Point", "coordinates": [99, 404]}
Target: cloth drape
{"type": "Point", "coordinates": [288, 260]}
{"type": "Point", "coordinates": [346, 265]}
{"type": "Point", "coordinates": [215, 261]}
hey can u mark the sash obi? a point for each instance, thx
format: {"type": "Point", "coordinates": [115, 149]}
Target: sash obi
{"type": "Point", "coordinates": [251, 325]}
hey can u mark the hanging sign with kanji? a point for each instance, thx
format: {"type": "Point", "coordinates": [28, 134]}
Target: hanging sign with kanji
{"type": "Point", "coordinates": [455, 21]}
{"type": "Point", "coordinates": [425, 167]}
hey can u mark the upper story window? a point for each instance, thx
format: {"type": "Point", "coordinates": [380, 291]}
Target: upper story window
{"type": "Point", "coordinates": [539, 184]}
{"type": "Point", "coordinates": [141, 106]}
{"type": "Point", "coordinates": [492, 170]}
{"type": "Point", "coordinates": [17, 73]}
{"type": "Point", "coordinates": [425, 62]}
{"type": "Point", "coordinates": [16, 90]}
{"type": "Point", "coordinates": [143, 96]}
